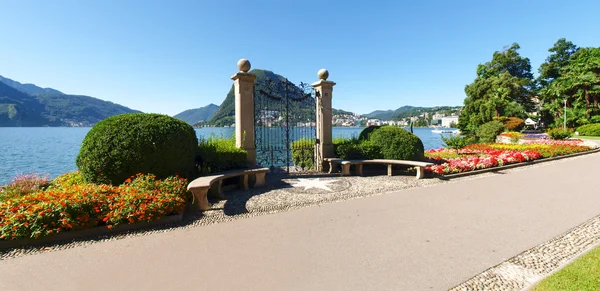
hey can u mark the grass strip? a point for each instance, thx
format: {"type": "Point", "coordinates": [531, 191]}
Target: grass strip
{"type": "Point", "coordinates": [583, 274]}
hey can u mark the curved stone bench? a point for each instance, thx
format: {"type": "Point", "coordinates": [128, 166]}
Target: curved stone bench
{"type": "Point", "coordinates": [200, 186]}
{"type": "Point", "coordinates": [420, 166]}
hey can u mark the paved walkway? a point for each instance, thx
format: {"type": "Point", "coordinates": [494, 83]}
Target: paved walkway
{"type": "Point", "coordinates": [430, 238]}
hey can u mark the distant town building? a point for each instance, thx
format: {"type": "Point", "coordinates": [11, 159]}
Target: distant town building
{"type": "Point", "coordinates": [448, 120]}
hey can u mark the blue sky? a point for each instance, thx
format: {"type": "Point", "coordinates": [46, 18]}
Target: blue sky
{"type": "Point", "coordinates": [169, 56]}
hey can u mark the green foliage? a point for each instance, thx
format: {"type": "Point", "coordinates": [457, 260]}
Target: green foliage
{"type": "Point", "coordinates": [503, 87]}
{"type": "Point", "coordinates": [398, 144]}
{"type": "Point", "coordinates": [595, 119]}
{"type": "Point", "coordinates": [489, 131]}
{"type": "Point", "coordinates": [219, 154]}
{"type": "Point", "coordinates": [366, 133]}
{"type": "Point", "coordinates": [589, 130]}
{"type": "Point", "coordinates": [303, 153]}
{"type": "Point", "coordinates": [583, 274]}
{"type": "Point", "coordinates": [456, 142]}
{"type": "Point", "coordinates": [355, 149]}
{"type": "Point", "coordinates": [578, 82]}
{"type": "Point", "coordinates": [559, 134]}
{"type": "Point", "coordinates": [125, 145]}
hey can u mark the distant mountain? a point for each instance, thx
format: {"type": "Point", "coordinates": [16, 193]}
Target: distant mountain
{"type": "Point", "coordinates": [225, 115]}
{"type": "Point", "coordinates": [51, 107]}
{"type": "Point", "coordinates": [20, 109]}
{"type": "Point", "coordinates": [408, 111]}
{"type": "Point", "coordinates": [193, 116]}
{"type": "Point", "coordinates": [28, 88]}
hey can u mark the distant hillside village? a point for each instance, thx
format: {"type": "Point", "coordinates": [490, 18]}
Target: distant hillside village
{"type": "Point", "coordinates": [442, 118]}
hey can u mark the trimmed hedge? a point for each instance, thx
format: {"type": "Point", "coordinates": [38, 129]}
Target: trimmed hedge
{"type": "Point", "coordinates": [124, 145]}
{"type": "Point", "coordinates": [366, 133]}
{"type": "Point", "coordinates": [217, 155]}
{"type": "Point", "coordinates": [398, 144]}
{"type": "Point", "coordinates": [589, 130]}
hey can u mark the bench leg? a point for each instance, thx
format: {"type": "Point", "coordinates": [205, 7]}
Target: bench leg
{"type": "Point", "coordinates": [389, 169]}
{"type": "Point", "coordinates": [200, 195]}
{"type": "Point", "coordinates": [359, 170]}
{"type": "Point", "coordinates": [260, 180]}
{"type": "Point", "coordinates": [330, 167]}
{"type": "Point", "coordinates": [346, 170]}
{"type": "Point", "coordinates": [420, 172]}
{"type": "Point", "coordinates": [220, 189]}
{"type": "Point", "coordinates": [243, 183]}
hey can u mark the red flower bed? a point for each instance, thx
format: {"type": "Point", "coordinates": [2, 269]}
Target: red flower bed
{"type": "Point", "coordinates": [70, 204]}
{"type": "Point", "coordinates": [482, 156]}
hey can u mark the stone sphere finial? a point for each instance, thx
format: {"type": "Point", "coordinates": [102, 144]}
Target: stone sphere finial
{"type": "Point", "coordinates": [323, 74]}
{"type": "Point", "coordinates": [244, 65]}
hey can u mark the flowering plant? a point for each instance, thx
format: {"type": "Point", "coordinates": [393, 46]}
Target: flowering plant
{"type": "Point", "coordinates": [69, 204]}
{"type": "Point", "coordinates": [481, 156]}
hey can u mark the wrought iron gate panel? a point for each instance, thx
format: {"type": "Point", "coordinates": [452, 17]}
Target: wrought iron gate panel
{"type": "Point", "coordinates": [284, 116]}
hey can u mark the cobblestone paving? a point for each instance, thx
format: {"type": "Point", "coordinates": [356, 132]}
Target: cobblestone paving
{"type": "Point", "coordinates": [527, 268]}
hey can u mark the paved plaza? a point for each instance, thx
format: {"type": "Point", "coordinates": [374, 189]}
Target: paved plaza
{"type": "Point", "coordinates": [427, 237]}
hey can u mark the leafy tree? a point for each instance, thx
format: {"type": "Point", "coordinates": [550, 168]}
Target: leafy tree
{"type": "Point", "coordinates": [550, 97]}
{"type": "Point", "coordinates": [503, 87]}
{"type": "Point", "coordinates": [579, 85]}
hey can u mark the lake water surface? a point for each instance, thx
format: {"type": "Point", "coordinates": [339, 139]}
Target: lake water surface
{"type": "Point", "coordinates": [52, 150]}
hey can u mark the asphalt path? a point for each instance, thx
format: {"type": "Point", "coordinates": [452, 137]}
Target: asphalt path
{"type": "Point", "coordinates": [430, 238]}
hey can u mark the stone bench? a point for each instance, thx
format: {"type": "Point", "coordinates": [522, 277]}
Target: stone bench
{"type": "Point", "coordinates": [420, 166]}
{"type": "Point", "coordinates": [332, 162]}
{"type": "Point", "coordinates": [200, 186]}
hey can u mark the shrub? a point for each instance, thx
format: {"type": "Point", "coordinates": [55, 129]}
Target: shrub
{"type": "Point", "coordinates": [595, 119]}
{"type": "Point", "coordinates": [455, 142]}
{"type": "Point", "coordinates": [487, 132]}
{"type": "Point", "coordinates": [124, 145]}
{"type": "Point", "coordinates": [349, 151]}
{"type": "Point", "coordinates": [398, 144]}
{"type": "Point", "coordinates": [559, 134]}
{"type": "Point", "coordinates": [514, 124]}
{"type": "Point", "coordinates": [369, 150]}
{"type": "Point", "coordinates": [303, 153]}
{"type": "Point", "coordinates": [589, 130]}
{"type": "Point", "coordinates": [366, 133]}
{"type": "Point", "coordinates": [354, 149]}
{"type": "Point", "coordinates": [219, 154]}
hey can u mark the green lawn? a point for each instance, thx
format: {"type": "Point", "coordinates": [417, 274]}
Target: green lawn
{"type": "Point", "coordinates": [581, 275]}
{"type": "Point", "coordinates": [587, 137]}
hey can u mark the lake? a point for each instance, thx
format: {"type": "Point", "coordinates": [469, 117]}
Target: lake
{"type": "Point", "coordinates": [52, 150]}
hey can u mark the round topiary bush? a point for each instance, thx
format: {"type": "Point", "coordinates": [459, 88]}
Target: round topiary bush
{"type": "Point", "coordinates": [122, 146]}
{"type": "Point", "coordinates": [398, 144]}
{"type": "Point", "coordinates": [365, 133]}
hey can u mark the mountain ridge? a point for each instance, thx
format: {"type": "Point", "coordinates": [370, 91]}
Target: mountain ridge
{"type": "Point", "coordinates": [196, 115]}
{"type": "Point", "coordinates": [50, 107]}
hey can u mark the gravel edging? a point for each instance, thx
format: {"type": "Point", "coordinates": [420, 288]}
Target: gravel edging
{"type": "Point", "coordinates": [526, 269]}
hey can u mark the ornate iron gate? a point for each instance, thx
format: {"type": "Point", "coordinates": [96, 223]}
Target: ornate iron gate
{"type": "Point", "coordinates": [284, 125]}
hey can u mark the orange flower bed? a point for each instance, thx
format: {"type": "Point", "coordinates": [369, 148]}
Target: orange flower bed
{"type": "Point", "coordinates": [69, 205]}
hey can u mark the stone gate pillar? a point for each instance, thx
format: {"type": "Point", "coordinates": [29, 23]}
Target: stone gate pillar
{"type": "Point", "coordinates": [323, 92]}
{"type": "Point", "coordinates": [244, 110]}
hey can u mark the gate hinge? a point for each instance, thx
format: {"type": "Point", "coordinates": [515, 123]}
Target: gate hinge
{"type": "Point", "coordinates": [318, 141]}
